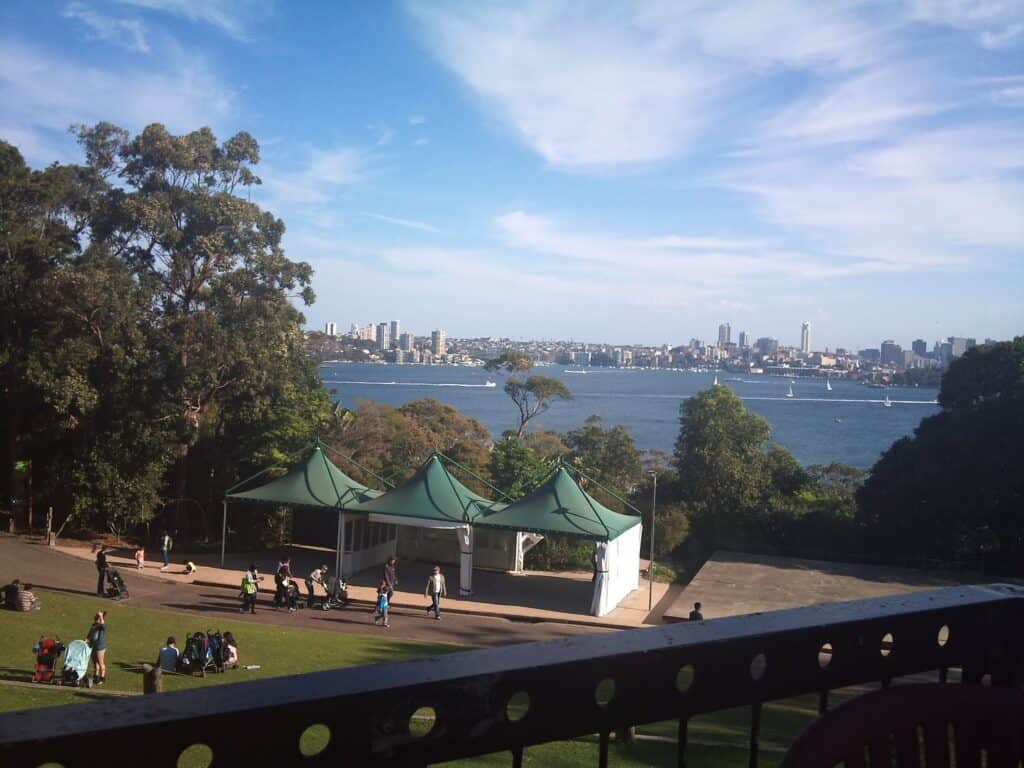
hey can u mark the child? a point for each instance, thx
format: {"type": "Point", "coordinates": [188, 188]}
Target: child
{"type": "Point", "coordinates": [190, 568]}
{"type": "Point", "coordinates": [140, 558]}
{"type": "Point", "coordinates": [382, 604]}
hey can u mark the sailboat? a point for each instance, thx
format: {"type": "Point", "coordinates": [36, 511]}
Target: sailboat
{"type": "Point", "coordinates": [887, 402]}
{"type": "Point", "coordinates": [790, 393]}
{"type": "Point", "coordinates": [490, 383]}
{"type": "Point", "coordinates": [828, 384]}
{"type": "Point", "coordinates": [715, 384]}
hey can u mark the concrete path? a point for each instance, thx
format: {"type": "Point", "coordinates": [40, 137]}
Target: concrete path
{"type": "Point", "coordinates": [532, 596]}
{"type": "Point", "coordinates": [54, 568]}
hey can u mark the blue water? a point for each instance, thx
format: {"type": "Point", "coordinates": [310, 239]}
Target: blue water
{"type": "Point", "coordinates": [647, 403]}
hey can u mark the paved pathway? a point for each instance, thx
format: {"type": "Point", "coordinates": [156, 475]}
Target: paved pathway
{"type": "Point", "coordinates": [33, 562]}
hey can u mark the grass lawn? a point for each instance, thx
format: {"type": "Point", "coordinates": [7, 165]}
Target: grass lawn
{"type": "Point", "coordinates": [134, 636]}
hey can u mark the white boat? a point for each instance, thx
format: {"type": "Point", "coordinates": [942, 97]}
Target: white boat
{"type": "Point", "coordinates": [790, 393]}
{"type": "Point", "coordinates": [887, 402]}
{"type": "Point", "coordinates": [573, 370]}
{"type": "Point", "coordinates": [828, 384]}
{"type": "Point", "coordinates": [489, 383]}
{"type": "Point", "coordinates": [716, 380]}
{"type": "Point", "coordinates": [838, 420]}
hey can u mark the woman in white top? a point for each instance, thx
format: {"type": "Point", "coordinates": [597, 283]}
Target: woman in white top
{"type": "Point", "coordinates": [436, 589]}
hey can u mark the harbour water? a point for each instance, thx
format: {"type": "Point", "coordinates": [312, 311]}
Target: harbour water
{"type": "Point", "coordinates": [849, 424]}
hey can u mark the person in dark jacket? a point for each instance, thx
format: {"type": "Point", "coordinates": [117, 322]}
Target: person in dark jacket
{"type": "Point", "coordinates": [102, 567]}
{"type": "Point", "coordinates": [391, 578]}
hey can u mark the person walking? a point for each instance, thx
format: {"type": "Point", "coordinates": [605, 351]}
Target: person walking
{"type": "Point", "coordinates": [695, 614]}
{"type": "Point", "coordinates": [436, 589]}
{"type": "Point", "coordinates": [381, 613]}
{"type": "Point", "coordinates": [102, 568]}
{"type": "Point", "coordinates": [97, 640]}
{"type": "Point", "coordinates": [166, 544]}
{"type": "Point", "coordinates": [250, 588]}
{"type": "Point", "coordinates": [318, 576]}
{"type": "Point", "coordinates": [140, 558]}
{"type": "Point", "coordinates": [281, 578]}
{"type": "Point", "coordinates": [391, 577]}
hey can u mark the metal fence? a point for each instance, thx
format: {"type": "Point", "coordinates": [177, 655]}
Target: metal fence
{"type": "Point", "coordinates": [507, 698]}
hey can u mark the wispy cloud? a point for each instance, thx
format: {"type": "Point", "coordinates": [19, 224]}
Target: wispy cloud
{"type": "Point", "coordinates": [319, 175]}
{"type": "Point", "coordinates": [233, 17]}
{"type": "Point", "coordinates": [417, 120]}
{"type": "Point", "coordinates": [45, 92]}
{"type": "Point", "coordinates": [126, 33]}
{"type": "Point", "coordinates": [422, 141]}
{"type": "Point", "coordinates": [407, 223]}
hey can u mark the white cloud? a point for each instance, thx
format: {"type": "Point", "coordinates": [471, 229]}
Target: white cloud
{"type": "Point", "coordinates": [996, 23]}
{"type": "Point", "coordinates": [127, 33]}
{"type": "Point", "coordinates": [43, 93]}
{"type": "Point", "coordinates": [233, 17]}
{"type": "Point", "coordinates": [321, 173]}
{"type": "Point", "coordinates": [417, 120]}
{"type": "Point", "coordinates": [407, 223]}
{"type": "Point", "coordinates": [422, 141]}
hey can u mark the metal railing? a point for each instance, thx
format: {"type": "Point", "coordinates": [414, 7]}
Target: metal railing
{"type": "Point", "coordinates": [508, 698]}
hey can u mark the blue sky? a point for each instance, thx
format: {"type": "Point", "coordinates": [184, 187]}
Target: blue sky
{"type": "Point", "coordinates": [622, 172]}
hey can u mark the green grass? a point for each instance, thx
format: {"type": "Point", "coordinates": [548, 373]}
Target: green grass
{"type": "Point", "coordinates": [134, 636]}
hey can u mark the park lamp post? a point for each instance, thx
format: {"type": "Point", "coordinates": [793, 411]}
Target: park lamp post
{"type": "Point", "coordinates": [650, 566]}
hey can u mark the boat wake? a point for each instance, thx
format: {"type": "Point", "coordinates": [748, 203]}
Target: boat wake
{"type": "Point", "coordinates": [487, 385]}
{"type": "Point", "coordinates": [840, 400]}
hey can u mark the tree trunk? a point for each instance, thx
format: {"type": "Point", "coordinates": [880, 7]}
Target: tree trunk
{"type": "Point", "coordinates": [181, 522]}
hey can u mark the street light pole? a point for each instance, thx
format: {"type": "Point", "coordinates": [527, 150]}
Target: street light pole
{"type": "Point", "coordinates": [650, 567]}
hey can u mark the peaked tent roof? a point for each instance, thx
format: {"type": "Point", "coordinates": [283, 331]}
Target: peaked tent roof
{"type": "Point", "coordinates": [560, 506]}
{"type": "Point", "coordinates": [316, 483]}
{"type": "Point", "coordinates": [433, 493]}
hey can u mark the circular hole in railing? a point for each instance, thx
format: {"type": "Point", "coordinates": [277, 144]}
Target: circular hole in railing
{"type": "Point", "coordinates": [758, 665]}
{"type": "Point", "coordinates": [825, 655]}
{"type": "Point", "coordinates": [684, 678]}
{"type": "Point", "coordinates": [888, 643]}
{"type": "Point", "coordinates": [517, 707]}
{"type": "Point", "coordinates": [422, 722]}
{"type": "Point", "coordinates": [196, 756]}
{"type": "Point", "coordinates": [605, 692]}
{"type": "Point", "coordinates": [314, 740]}
{"type": "Point", "coordinates": [943, 636]}
{"type": "Point", "coordinates": [50, 765]}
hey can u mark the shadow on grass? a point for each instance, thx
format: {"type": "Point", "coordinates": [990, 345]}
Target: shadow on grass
{"type": "Point", "coordinates": [15, 675]}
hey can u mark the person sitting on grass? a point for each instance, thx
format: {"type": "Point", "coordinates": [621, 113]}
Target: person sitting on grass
{"type": "Point", "coordinates": [26, 600]}
{"type": "Point", "coordinates": [230, 651]}
{"type": "Point", "coordinates": [11, 595]}
{"type": "Point", "coordinates": [167, 659]}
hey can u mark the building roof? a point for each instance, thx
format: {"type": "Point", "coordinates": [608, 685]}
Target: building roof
{"type": "Point", "coordinates": [560, 506]}
{"type": "Point", "coordinates": [315, 483]}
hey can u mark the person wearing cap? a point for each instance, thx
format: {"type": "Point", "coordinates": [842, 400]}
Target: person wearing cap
{"type": "Point", "coordinates": [167, 660]}
{"type": "Point", "coordinates": [318, 576]}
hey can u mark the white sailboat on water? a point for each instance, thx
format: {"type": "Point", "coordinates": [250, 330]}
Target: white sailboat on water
{"type": "Point", "coordinates": [828, 384]}
{"type": "Point", "coordinates": [887, 402]}
{"type": "Point", "coordinates": [790, 393]}
{"type": "Point", "coordinates": [715, 384]}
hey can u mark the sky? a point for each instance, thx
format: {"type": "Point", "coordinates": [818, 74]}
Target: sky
{"type": "Point", "coordinates": [633, 172]}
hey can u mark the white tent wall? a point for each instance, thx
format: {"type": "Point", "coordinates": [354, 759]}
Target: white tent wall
{"type": "Point", "coordinates": [618, 571]}
{"type": "Point", "coordinates": [465, 561]}
{"type": "Point", "coordinates": [465, 542]}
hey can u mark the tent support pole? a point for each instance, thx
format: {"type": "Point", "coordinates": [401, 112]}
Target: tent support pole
{"type": "Point", "coordinates": [223, 532]}
{"type": "Point", "coordinates": [340, 553]}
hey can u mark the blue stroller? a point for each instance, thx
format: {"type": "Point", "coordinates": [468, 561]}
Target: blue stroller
{"type": "Point", "coordinates": [76, 664]}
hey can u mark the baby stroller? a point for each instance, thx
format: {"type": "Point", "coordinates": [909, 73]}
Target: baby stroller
{"type": "Point", "coordinates": [116, 588]}
{"type": "Point", "coordinates": [215, 643]}
{"type": "Point", "coordinates": [76, 664]}
{"type": "Point", "coordinates": [292, 596]}
{"type": "Point", "coordinates": [47, 651]}
{"type": "Point", "coordinates": [198, 656]}
{"type": "Point", "coordinates": [337, 594]}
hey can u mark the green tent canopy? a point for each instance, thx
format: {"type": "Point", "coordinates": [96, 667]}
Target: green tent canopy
{"type": "Point", "coordinates": [560, 506]}
{"type": "Point", "coordinates": [316, 483]}
{"type": "Point", "coordinates": [433, 494]}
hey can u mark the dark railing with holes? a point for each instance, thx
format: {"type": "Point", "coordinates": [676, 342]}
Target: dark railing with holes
{"type": "Point", "coordinates": [508, 698]}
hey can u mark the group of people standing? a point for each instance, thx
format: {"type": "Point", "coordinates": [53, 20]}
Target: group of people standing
{"type": "Point", "coordinates": [436, 589]}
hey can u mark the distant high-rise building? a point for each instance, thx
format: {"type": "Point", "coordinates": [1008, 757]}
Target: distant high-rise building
{"type": "Point", "coordinates": [395, 333]}
{"type": "Point", "coordinates": [405, 342]}
{"type": "Point", "coordinates": [890, 353]}
{"type": "Point", "coordinates": [331, 329]}
{"type": "Point", "coordinates": [383, 337]}
{"type": "Point", "coordinates": [805, 337]}
{"type": "Point", "coordinates": [920, 347]}
{"type": "Point", "coordinates": [766, 345]}
{"type": "Point", "coordinates": [959, 345]}
{"type": "Point", "coordinates": [439, 342]}
{"type": "Point", "coordinates": [724, 334]}
{"type": "Point", "coordinates": [744, 340]}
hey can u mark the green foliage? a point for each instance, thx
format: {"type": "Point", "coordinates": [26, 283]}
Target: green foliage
{"type": "Point", "coordinates": [515, 468]}
{"type": "Point", "coordinates": [534, 396]}
{"type": "Point", "coordinates": [607, 454]}
{"type": "Point", "coordinates": [510, 362]}
{"type": "Point", "coordinates": [560, 553]}
{"type": "Point", "coordinates": [955, 490]}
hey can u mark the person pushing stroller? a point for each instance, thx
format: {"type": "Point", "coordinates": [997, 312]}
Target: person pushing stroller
{"type": "Point", "coordinates": [318, 576]}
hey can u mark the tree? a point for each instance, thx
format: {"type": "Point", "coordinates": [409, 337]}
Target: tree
{"type": "Point", "coordinates": [955, 489]}
{"type": "Point", "coordinates": [721, 464]}
{"type": "Point", "coordinates": [531, 396]}
{"type": "Point", "coordinates": [515, 467]}
{"type": "Point", "coordinates": [213, 260]}
{"type": "Point", "coordinates": [607, 454]}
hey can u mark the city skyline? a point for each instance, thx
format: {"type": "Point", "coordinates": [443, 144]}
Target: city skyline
{"type": "Point", "coordinates": [857, 167]}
